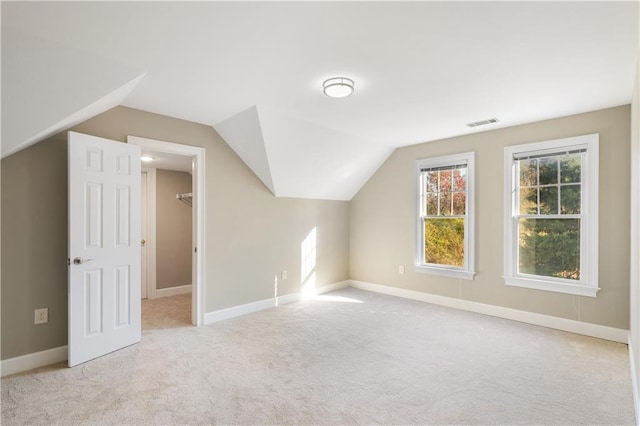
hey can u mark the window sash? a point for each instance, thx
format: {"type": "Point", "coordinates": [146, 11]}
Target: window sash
{"type": "Point", "coordinates": [550, 154]}
{"type": "Point", "coordinates": [517, 187]}
{"type": "Point", "coordinates": [444, 168]}
{"type": "Point", "coordinates": [424, 246]}
{"type": "Point", "coordinates": [548, 216]}
{"type": "Point", "coordinates": [424, 176]}
{"type": "Point", "coordinates": [519, 252]}
{"type": "Point", "coordinates": [449, 163]}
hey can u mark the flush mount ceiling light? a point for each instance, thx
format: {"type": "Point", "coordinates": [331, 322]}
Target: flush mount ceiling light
{"type": "Point", "coordinates": [338, 87]}
{"type": "Point", "coordinates": [147, 158]}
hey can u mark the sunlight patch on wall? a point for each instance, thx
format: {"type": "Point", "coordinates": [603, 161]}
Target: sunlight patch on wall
{"type": "Point", "coordinates": [308, 253]}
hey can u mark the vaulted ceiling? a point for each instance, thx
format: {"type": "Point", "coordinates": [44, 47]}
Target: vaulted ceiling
{"type": "Point", "coordinates": [253, 71]}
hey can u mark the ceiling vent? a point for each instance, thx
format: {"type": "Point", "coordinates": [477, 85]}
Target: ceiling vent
{"type": "Point", "coordinates": [482, 122]}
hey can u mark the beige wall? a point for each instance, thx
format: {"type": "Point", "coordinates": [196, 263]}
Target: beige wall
{"type": "Point", "coordinates": [251, 235]}
{"type": "Point", "coordinates": [34, 247]}
{"type": "Point", "coordinates": [382, 221]}
{"type": "Point", "coordinates": [173, 230]}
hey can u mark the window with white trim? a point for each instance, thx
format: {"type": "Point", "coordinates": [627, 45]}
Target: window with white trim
{"type": "Point", "coordinates": [551, 215]}
{"type": "Point", "coordinates": [445, 216]}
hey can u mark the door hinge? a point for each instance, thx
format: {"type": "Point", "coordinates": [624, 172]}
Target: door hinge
{"type": "Point", "coordinates": [195, 250]}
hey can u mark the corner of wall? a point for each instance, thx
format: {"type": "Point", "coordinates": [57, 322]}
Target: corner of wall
{"type": "Point", "coordinates": [634, 249]}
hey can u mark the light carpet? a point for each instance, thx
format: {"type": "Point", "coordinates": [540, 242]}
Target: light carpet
{"type": "Point", "coordinates": [348, 357]}
{"type": "Point", "coordinates": [166, 312]}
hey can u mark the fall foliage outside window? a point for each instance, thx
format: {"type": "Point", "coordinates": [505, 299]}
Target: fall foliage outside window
{"type": "Point", "coordinates": [446, 194]}
{"type": "Point", "coordinates": [443, 213]}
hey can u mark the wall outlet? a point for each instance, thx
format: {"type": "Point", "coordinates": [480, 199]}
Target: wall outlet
{"type": "Point", "coordinates": [401, 269]}
{"type": "Point", "coordinates": [283, 275]}
{"type": "Point", "coordinates": [41, 316]}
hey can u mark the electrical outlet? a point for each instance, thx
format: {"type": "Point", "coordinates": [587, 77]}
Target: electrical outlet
{"type": "Point", "coordinates": [283, 275]}
{"type": "Point", "coordinates": [401, 269]}
{"type": "Point", "coordinates": [41, 316]}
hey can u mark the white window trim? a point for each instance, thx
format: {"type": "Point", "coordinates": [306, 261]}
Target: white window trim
{"type": "Point", "coordinates": [588, 284]}
{"type": "Point", "coordinates": [467, 272]}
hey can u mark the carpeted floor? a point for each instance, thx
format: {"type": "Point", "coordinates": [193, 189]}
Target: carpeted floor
{"type": "Point", "coordinates": [166, 312]}
{"type": "Point", "coordinates": [348, 357]}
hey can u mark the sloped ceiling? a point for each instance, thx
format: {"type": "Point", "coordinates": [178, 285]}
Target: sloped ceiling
{"type": "Point", "coordinates": [244, 134]}
{"type": "Point", "coordinates": [48, 87]}
{"type": "Point", "coordinates": [253, 70]}
{"type": "Point", "coordinates": [295, 158]}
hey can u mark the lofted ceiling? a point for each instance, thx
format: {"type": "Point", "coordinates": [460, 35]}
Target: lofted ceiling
{"type": "Point", "coordinates": [253, 71]}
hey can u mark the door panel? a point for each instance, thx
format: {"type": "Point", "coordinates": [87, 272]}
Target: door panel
{"type": "Point", "coordinates": [104, 230]}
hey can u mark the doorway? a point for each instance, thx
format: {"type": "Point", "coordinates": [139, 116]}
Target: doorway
{"type": "Point", "coordinates": [172, 160]}
{"type": "Point", "coordinates": [169, 288]}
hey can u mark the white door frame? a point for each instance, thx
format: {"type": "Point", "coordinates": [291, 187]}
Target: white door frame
{"type": "Point", "coordinates": [144, 231]}
{"type": "Point", "coordinates": [151, 232]}
{"type": "Point", "coordinates": [198, 189]}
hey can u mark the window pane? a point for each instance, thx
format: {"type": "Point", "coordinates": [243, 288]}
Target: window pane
{"type": "Point", "coordinates": [549, 200]}
{"type": "Point", "coordinates": [548, 170]}
{"type": "Point", "coordinates": [432, 204]}
{"type": "Point", "coordinates": [444, 241]}
{"type": "Point", "coordinates": [445, 203]}
{"type": "Point", "coordinates": [528, 172]}
{"type": "Point", "coordinates": [445, 180]}
{"type": "Point", "coordinates": [529, 201]}
{"type": "Point", "coordinates": [570, 199]}
{"type": "Point", "coordinates": [459, 201]}
{"type": "Point", "coordinates": [549, 247]}
{"type": "Point", "coordinates": [570, 168]}
{"type": "Point", "coordinates": [431, 181]}
{"type": "Point", "coordinates": [460, 179]}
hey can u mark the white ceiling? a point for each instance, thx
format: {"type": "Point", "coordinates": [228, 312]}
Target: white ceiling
{"type": "Point", "coordinates": [166, 161]}
{"type": "Point", "coordinates": [254, 72]}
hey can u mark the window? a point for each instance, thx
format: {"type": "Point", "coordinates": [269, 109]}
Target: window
{"type": "Point", "coordinates": [444, 237]}
{"type": "Point", "coordinates": [551, 206]}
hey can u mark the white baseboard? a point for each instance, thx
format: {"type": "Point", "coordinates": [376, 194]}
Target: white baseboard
{"type": "Point", "coordinates": [579, 327]}
{"type": "Point", "coordinates": [634, 380]}
{"type": "Point", "coordinates": [332, 287]}
{"type": "Point", "coordinates": [294, 297]}
{"type": "Point", "coordinates": [236, 311]}
{"type": "Point", "coordinates": [287, 298]}
{"type": "Point", "coordinates": [34, 360]}
{"type": "Point", "coordinates": [172, 291]}
{"type": "Point", "coordinates": [248, 308]}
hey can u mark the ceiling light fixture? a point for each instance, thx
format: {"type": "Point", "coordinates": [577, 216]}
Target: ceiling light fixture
{"type": "Point", "coordinates": [338, 87]}
{"type": "Point", "coordinates": [147, 158]}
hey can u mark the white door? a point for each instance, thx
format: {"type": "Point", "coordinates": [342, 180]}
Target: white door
{"type": "Point", "coordinates": [104, 250]}
{"type": "Point", "coordinates": [143, 235]}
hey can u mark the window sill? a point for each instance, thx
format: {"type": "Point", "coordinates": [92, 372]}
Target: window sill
{"type": "Point", "coordinates": [445, 272]}
{"type": "Point", "coordinates": [577, 289]}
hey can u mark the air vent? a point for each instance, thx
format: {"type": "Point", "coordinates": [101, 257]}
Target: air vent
{"type": "Point", "coordinates": [483, 122]}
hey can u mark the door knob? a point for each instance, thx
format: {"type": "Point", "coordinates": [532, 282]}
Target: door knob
{"type": "Point", "coordinates": [80, 261]}
{"type": "Point", "coordinates": [143, 242]}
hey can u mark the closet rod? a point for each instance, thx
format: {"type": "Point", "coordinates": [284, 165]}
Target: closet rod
{"type": "Point", "coordinates": [186, 198]}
